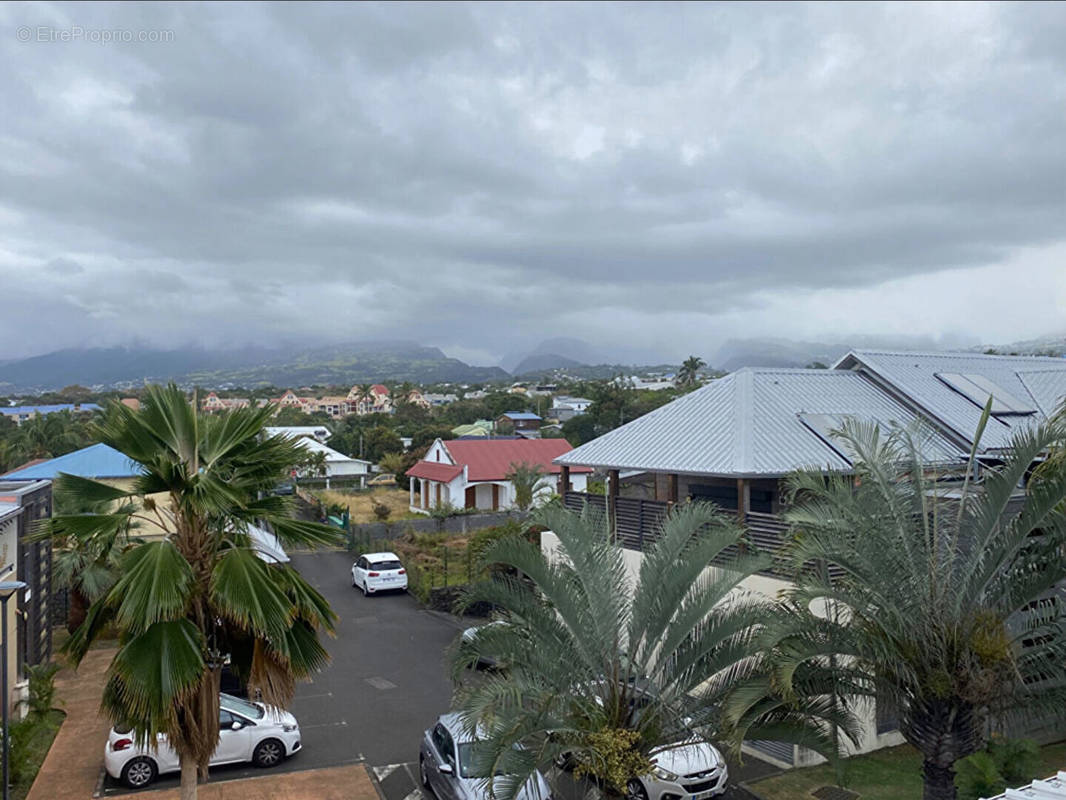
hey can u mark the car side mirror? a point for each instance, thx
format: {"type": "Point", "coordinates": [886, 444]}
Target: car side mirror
{"type": "Point", "coordinates": [236, 726]}
{"type": "Point", "coordinates": [446, 769]}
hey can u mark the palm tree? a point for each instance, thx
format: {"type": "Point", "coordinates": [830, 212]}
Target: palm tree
{"type": "Point", "coordinates": [605, 671]}
{"type": "Point", "coordinates": [366, 397]}
{"type": "Point", "coordinates": [942, 597]}
{"type": "Point", "coordinates": [87, 569]}
{"type": "Point", "coordinates": [526, 479]}
{"type": "Point", "coordinates": [688, 375]}
{"type": "Point", "coordinates": [186, 600]}
{"type": "Point", "coordinates": [392, 463]}
{"type": "Point", "coordinates": [315, 462]}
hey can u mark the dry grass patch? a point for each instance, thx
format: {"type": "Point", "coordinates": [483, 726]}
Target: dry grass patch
{"type": "Point", "coordinates": [361, 504]}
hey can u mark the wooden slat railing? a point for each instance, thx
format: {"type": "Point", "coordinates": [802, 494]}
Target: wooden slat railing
{"type": "Point", "coordinates": [638, 525]}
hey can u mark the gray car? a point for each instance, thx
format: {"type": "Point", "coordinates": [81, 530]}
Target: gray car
{"type": "Point", "coordinates": [445, 765]}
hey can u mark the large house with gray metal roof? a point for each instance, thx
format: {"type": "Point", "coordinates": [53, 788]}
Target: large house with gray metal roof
{"type": "Point", "coordinates": [734, 440]}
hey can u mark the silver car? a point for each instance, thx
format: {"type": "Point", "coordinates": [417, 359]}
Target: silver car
{"type": "Point", "coordinates": [694, 770]}
{"type": "Point", "coordinates": [445, 765]}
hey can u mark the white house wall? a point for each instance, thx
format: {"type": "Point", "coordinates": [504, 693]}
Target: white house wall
{"type": "Point", "coordinates": [337, 469]}
{"type": "Point", "coordinates": [438, 454]}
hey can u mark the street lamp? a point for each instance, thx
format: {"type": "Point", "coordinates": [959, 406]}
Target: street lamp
{"type": "Point", "coordinates": [8, 589]}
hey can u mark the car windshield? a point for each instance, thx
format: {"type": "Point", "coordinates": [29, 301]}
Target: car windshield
{"type": "Point", "coordinates": [468, 753]}
{"type": "Point", "coordinates": [242, 707]}
{"type": "Point", "coordinates": [383, 565]}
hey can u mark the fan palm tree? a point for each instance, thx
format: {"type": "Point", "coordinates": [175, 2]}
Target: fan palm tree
{"type": "Point", "coordinates": [200, 592]}
{"type": "Point", "coordinates": [688, 375]}
{"type": "Point", "coordinates": [605, 672]}
{"type": "Point", "coordinates": [526, 480]}
{"type": "Point", "coordinates": [943, 601]}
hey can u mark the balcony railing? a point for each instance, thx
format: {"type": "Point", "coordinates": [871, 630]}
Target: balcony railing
{"type": "Point", "coordinates": [638, 524]}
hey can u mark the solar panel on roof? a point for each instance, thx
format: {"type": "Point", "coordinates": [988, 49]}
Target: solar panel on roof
{"type": "Point", "coordinates": [977, 389]}
{"type": "Point", "coordinates": [823, 425]}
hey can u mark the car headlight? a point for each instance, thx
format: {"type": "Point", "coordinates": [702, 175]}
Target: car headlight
{"type": "Point", "coordinates": [289, 728]}
{"type": "Point", "coordinates": [664, 774]}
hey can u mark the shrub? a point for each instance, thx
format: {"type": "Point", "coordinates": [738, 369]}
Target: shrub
{"type": "Point", "coordinates": [42, 680]}
{"type": "Point", "coordinates": [381, 511]}
{"type": "Point", "coordinates": [1018, 760]}
{"type": "Point", "coordinates": [978, 776]}
{"type": "Point", "coordinates": [1005, 762]}
{"type": "Point", "coordinates": [482, 539]}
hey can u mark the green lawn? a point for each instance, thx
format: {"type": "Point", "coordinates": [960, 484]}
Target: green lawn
{"type": "Point", "coordinates": [34, 737]}
{"type": "Point", "coordinates": [894, 773]}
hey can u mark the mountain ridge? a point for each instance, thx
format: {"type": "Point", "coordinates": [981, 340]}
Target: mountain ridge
{"type": "Point", "coordinates": [344, 364]}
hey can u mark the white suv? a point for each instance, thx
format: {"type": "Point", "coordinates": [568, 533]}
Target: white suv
{"type": "Point", "coordinates": [254, 732]}
{"type": "Point", "coordinates": [693, 770]}
{"type": "Point", "coordinates": [379, 572]}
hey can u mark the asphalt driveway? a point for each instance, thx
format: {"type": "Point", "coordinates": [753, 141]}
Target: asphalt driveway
{"type": "Point", "coordinates": [386, 683]}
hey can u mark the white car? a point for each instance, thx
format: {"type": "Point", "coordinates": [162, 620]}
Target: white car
{"type": "Point", "coordinates": [693, 770]}
{"type": "Point", "coordinates": [379, 572]}
{"type": "Point", "coordinates": [254, 732]}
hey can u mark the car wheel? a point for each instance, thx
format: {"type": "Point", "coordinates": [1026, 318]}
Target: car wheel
{"type": "Point", "coordinates": [139, 772]}
{"type": "Point", "coordinates": [365, 593]}
{"type": "Point", "coordinates": [268, 753]}
{"type": "Point", "coordinates": [422, 774]}
{"type": "Point", "coordinates": [635, 790]}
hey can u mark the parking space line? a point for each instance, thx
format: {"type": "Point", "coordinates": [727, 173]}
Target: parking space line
{"type": "Point", "coordinates": [324, 725]}
{"type": "Point", "coordinates": [383, 772]}
{"type": "Point", "coordinates": [311, 696]}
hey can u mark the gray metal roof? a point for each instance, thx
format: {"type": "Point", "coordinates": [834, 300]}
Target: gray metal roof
{"type": "Point", "coordinates": [914, 375]}
{"type": "Point", "coordinates": [1048, 388]}
{"type": "Point", "coordinates": [749, 424]}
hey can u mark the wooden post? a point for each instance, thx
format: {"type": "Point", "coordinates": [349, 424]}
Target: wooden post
{"type": "Point", "coordinates": [612, 496]}
{"type": "Point", "coordinates": [742, 500]}
{"type": "Point", "coordinates": [564, 482]}
{"type": "Point", "coordinates": [671, 492]}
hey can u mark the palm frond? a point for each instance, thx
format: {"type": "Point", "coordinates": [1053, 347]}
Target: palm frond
{"type": "Point", "coordinates": [154, 586]}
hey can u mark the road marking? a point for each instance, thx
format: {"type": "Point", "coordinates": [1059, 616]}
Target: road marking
{"type": "Point", "coordinates": [383, 772]}
{"type": "Point", "coordinates": [309, 696]}
{"type": "Point", "coordinates": [380, 683]}
{"type": "Point", "coordinates": [324, 725]}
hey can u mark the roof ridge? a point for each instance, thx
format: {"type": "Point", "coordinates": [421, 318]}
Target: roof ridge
{"type": "Point", "coordinates": [949, 354]}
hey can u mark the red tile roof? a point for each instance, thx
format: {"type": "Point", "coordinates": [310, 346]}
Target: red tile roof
{"type": "Point", "coordinates": [491, 460]}
{"type": "Point", "coordinates": [432, 471]}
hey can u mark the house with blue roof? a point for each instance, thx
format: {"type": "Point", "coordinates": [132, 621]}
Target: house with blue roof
{"type": "Point", "coordinates": [98, 461]}
{"type": "Point", "coordinates": [22, 413]}
{"type": "Point", "coordinates": [104, 463]}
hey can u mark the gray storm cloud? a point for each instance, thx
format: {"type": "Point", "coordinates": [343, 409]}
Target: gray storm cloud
{"type": "Point", "coordinates": [655, 177]}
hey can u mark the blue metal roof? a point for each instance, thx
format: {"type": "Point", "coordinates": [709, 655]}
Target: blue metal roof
{"type": "Point", "coordinates": [19, 411]}
{"type": "Point", "coordinates": [95, 461]}
{"type": "Point", "coordinates": [519, 415]}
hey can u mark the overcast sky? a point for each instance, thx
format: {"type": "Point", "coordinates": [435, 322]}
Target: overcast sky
{"type": "Point", "coordinates": [657, 177]}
